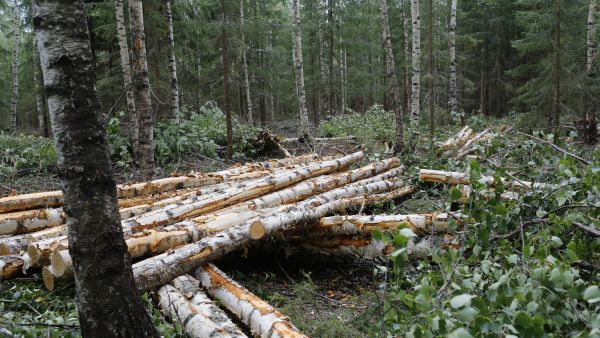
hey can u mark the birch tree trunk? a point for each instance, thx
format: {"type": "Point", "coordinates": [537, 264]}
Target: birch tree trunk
{"type": "Point", "coordinates": [107, 299]}
{"type": "Point", "coordinates": [141, 86]}
{"type": "Point", "coordinates": [453, 88]}
{"type": "Point", "coordinates": [416, 63]}
{"type": "Point", "coordinates": [174, 98]}
{"type": "Point", "coordinates": [39, 97]}
{"type": "Point", "coordinates": [324, 101]}
{"type": "Point", "coordinates": [590, 132]}
{"type": "Point", "coordinates": [299, 67]}
{"type": "Point", "coordinates": [557, 104]}
{"type": "Point", "coordinates": [249, 106]}
{"type": "Point", "coordinates": [391, 76]}
{"type": "Point", "coordinates": [132, 116]}
{"type": "Point", "coordinates": [226, 84]}
{"type": "Point", "coordinates": [432, 72]}
{"type": "Point", "coordinates": [406, 50]}
{"type": "Point", "coordinates": [15, 68]}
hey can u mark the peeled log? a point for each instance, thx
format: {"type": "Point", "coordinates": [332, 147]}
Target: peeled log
{"type": "Point", "coordinates": [54, 198]}
{"type": "Point", "coordinates": [159, 270]}
{"type": "Point", "coordinates": [193, 207]}
{"type": "Point", "coordinates": [421, 224]}
{"type": "Point", "coordinates": [52, 281]}
{"type": "Point", "coordinates": [262, 319]}
{"type": "Point", "coordinates": [199, 316]}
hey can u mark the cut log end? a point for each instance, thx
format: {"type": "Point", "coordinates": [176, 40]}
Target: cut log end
{"type": "Point", "coordinates": [257, 230]}
{"type": "Point", "coordinates": [50, 280]}
{"type": "Point", "coordinates": [60, 260]}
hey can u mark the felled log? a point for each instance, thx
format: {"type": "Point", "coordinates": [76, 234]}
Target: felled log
{"type": "Point", "coordinates": [196, 206]}
{"type": "Point", "coordinates": [455, 178]}
{"type": "Point", "coordinates": [368, 248]}
{"type": "Point", "coordinates": [52, 281]}
{"type": "Point", "coordinates": [262, 319]}
{"type": "Point", "coordinates": [158, 270]}
{"type": "Point", "coordinates": [28, 221]}
{"type": "Point", "coordinates": [14, 244]}
{"type": "Point", "coordinates": [156, 241]}
{"type": "Point", "coordinates": [11, 266]}
{"type": "Point", "coordinates": [61, 263]}
{"type": "Point", "coordinates": [199, 316]}
{"type": "Point", "coordinates": [54, 198]}
{"type": "Point", "coordinates": [421, 224]}
{"type": "Point", "coordinates": [459, 139]}
{"type": "Point", "coordinates": [40, 251]}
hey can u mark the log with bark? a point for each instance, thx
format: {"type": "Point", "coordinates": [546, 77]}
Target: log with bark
{"type": "Point", "coordinates": [12, 266]}
{"type": "Point", "coordinates": [55, 198]}
{"type": "Point", "coordinates": [456, 178]}
{"type": "Point", "coordinates": [202, 204]}
{"type": "Point", "coordinates": [158, 270]}
{"type": "Point", "coordinates": [458, 140]}
{"type": "Point", "coordinates": [52, 280]}
{"type": "Point", "coordinates": [185, 303]}
{"type": "Point", "coordinates": [263, 319]}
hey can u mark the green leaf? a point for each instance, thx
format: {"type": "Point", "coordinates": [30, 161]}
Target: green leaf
{"type": "Point", "coordinates": [460, 301]}
{"type": "Point", "coordinates": [456, 194]}
{"type": "Point", "coordinates": [467, 314]}
{"type": "Point", "coordinates": [556, 242]}
{"type": "Point", "coordinates": [592, 294]}
{"type": "Point", "coordinates": [460, 333]}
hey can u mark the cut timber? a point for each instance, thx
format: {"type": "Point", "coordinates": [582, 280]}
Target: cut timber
{"type": "Point", "coordinates": [40, 251]}
{"type": "Point", "coordinates": [421, 224]}
{"type": "Point", "coordinates": [455, 178]}
{"type": "Point", "coordinates": [159, 270]}
{"type": "Point", "coordinates": [27, 221]}
{"type": "Point", "coordinates": [459, 139]}
{"type": "Point", "coordinates": [197, 206]}
{"type": "Point", "coordinates": [199, 316]}
{"type": "Point", "coordinates": [368, 248]}
{"type": "Point", "coordinates": [61, 263]}
{"type": "Point", "coordinates": [14, 244]}
{"type": "Point", "coordinates": [262, 319]}
{"type": "Point", "coordinates": [54, 198]}
{"type": "Point", "coordinates": [11, 266]}
{"type": "Point", "coordinates": [52, 281]}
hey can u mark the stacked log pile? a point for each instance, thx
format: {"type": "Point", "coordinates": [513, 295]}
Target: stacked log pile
{"type": "Point", "coordinates": [177, 227]}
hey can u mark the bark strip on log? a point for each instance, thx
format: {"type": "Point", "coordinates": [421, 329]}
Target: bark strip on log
{"type": "Point", "coordinates": [263, 319]}
{"type": "Point", "coordinates": [197, 314]}
{"type": "Point", "coordinates": [159, 270]}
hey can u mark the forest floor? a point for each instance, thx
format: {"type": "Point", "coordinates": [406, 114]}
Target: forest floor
{"type": "Point", "coordinates": [323, 296]}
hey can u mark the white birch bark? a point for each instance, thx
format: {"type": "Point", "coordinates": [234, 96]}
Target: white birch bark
{"type": "Point", "coordinates": [131, 117]}
{"type": "Point", "coordinates": [15, 68]}
{"type": "Point", "coordinates": [174, 86]}
{"type": "Point", "coordinates": [263, 319]}
{"type": "Point", "coordinates": [299, 67]}
{"type": "Point", "coordinates": [416, 62]}
{"type": "Point", "coordinates": [249, 105]}
{"type": "Point", "coordinates": [197, 314]}
{"type": "Point", "coordinates": [454, 109]}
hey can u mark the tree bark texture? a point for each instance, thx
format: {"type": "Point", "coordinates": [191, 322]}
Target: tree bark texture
{"type": "Point", "coordinates": [15, 68]}
{"type": "Point", "coordinates": [415, 109]}
{"type": "Point", "coordinates": [141, 87]}
{"type": "Point", "coordinates": [299, 67]}
{"type": "Point", "coordinates": [390, 67]}
{"type": "Point", "coordinates": [131, 116]}
{"type": "Point", "coordinates": [39, 95]}
{"type": "Point", "coordinates": [249, 104]}
{"type": "Point", "coordinates": [107, 298]}
{"type": "Point", "coordinates": [226, 84]}
{"type": "Point", "coordinates": [453, 88]}
{"type": "Point", "coordinates": [557, 102]}
{"type": "Point", "coordinates": [590, 133]}
{"type": "Point", "coordinates": [174, 97]}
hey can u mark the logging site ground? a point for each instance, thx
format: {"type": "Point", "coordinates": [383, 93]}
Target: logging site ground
{"type": "Point", "coordinates": [493, 230]}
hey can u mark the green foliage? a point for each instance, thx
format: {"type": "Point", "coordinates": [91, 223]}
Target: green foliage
{"type": "Point", "coordinates": [25, 153]}
{"type": "Point", "coordinates": [541, 282]}
{"type": "Point", "coordinates": [372, 127]}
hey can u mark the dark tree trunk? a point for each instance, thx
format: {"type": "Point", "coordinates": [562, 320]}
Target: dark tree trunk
{"type": "Point", "coordinates": [107, 298]}
{"type": "Point", "coordinates": [141, 88]}
{"type": "Point", "coordinates": [557, 107]}
{"type": "Point", "coordinates": [226, 98]}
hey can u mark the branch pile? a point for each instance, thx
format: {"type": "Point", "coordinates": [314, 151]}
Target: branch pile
{"type": "Point", "coordinates": [179, 226]}
{"type": "Point", "coordinates": [466, 141]}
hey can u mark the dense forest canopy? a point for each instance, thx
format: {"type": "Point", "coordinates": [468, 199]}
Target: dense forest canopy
{"type": "Point", "coordinates": [504, 51]}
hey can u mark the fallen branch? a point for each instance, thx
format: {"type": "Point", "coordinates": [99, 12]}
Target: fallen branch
{"type": "Point", "coordinates": [580, 159]}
